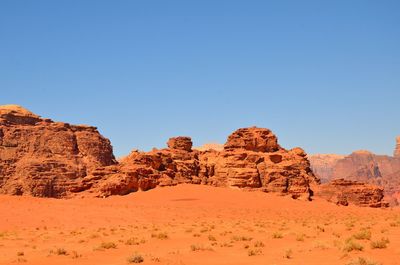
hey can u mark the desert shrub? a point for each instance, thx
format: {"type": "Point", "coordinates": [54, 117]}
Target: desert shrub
{"type": "Point", "coordinates": [161, 236]}
{"type": "Point", "coordinates": [254, 252]}
{"type": "Point", "coordinates": [351, 245]}
{"type": "Point", "coordinates": [382, 243]}
{"type": "Point", "coordinates": [212, 238]}
{"type": "Point", "coordinates": [288, 254]}
{"type": "Point", "coordinates": [242, 238]}
{"type": "Point", "coordinates": [277, 235]}
{"type": "Point", "coordinates": [108, 245]}
{"type": "Point", "coordinates": [363, 234]}
{"type": "Point", "coordinates": [132, 241]}
{"type": "Point", "coordinates": [259, 244]}
{"type": "Point", "coordinates": [300, 237]}
{"type": "Point", "coordinates": [135, 258]}
{"type": "Point", "coordinates": [61, 252]}
{"type": "Point", "coordinates": [362, 261]}
{"type": "Point", "coordinates": [200, 248]}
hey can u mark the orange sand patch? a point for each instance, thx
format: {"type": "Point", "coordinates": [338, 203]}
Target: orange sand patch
{"type": "Point", "coordinates": [193, 224]}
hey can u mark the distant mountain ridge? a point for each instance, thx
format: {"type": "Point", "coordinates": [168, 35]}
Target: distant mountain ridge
{"type": "Point", "coordinates": [362, 165]}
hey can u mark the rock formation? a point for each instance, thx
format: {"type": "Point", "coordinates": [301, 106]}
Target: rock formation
{"type": "Point", "coordinates": [44, 158]}
{"type": "Point", "coordinates": [40, 157]}
{"type": "Point", "coordinates": [362, 166]}
{"type": "Point", "coordinates": [347, 192]}
{"type": "Point", "coordinates": [252, 159]}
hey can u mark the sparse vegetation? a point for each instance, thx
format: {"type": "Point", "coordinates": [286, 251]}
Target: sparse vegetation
{"type": "Point", "coordinates": [161, 235]}
{"type": "Point", "coordinates": [135, 258]}
{"type": "Point", "coordinates": [288, 254]}
{"type": "Point", "coordinates": [254, 252]}
{"type": "Point", "coordinates": [75, 254]}
{"type": "Point", "coordinates": [134, 241]}
{"type": "Point", "coordinates": [364, 234]}
{"type": "Point", "coordinates": [300, 237]}
{"type": "Point", "coordinates": [242, 238]}
{"type": "Point", "coordinates": [59, 252]}
{"type": "Point", "coordinates": [212, 238]}
{"type": "Point", "coordinates": [277, 235]}
{"type": "Point", "coordinates": [200, 248]}
{"type": "Point", "coordinates": [362, 261]}
{"type": "Point", "coordinates": [259, 244]}
{"type": "Point", "coordinates": [351, 244]}
{"type": "Point", "coordinates": [382, 243]}
{"type": "Point", "coordinates": [107, 245]}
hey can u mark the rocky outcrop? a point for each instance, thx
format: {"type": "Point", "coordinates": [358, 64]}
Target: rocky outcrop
{"type": "Point", "coordinates": [362, 166]}
{"type": "Point", "coordinates": [347, 192]}
{"type": "Point", "coordinates": [254, 162]}
{"type": "Point", "coordinates": [43, 158]}
{"type": "Point", "coordinates": [180, 143]}
{"type": "Point", "coordinates": [252, 139]}
{"type": "Point", "coordinates": [397, 149]}
{"type": "Point", "coordinates": [40, 157]}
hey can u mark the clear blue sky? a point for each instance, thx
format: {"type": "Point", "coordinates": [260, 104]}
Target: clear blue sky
{"type": "Point", "coordinates": [323, 75]}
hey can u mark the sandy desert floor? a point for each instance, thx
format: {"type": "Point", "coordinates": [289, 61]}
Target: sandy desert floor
{"type": "Point", "coordinates": [191, 224]}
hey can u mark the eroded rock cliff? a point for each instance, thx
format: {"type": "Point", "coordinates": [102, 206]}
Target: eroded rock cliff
{"type": "Point", "coordinates": [40, 157]}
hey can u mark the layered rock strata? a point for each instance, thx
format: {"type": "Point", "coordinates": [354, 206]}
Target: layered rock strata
{"type": "Point", "coordinates": [347, 192]}
{"type": "Point", "coordinates": [43, 158]}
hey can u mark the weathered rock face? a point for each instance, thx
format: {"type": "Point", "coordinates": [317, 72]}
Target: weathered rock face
{"type": "Point", "coordinates": [180, 143]}
{"type": "Point", "coordinates": [252, 139]}
{"type": "Point", "coordinates": [40, 157]}
{"type": "Point", "coordinates": [244, 163]}
{"type": "Point", "coordinates": [347, 192]}
{"type": "Point", "coordinates": [362, 166]}
{"type": "Point", "coordinates": [253, 159]}
{"type": "Point", "coordinates": [397, 149]}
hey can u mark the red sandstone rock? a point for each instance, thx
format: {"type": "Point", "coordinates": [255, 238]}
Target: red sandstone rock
{"type": "Point", "coordinates": [245, 163]}
{"type": "Point", "coordinates": [180, 143]}
{"type": "Point", "coordinates": [252, 139]}
{"type": "Point", "coordinates": [43, 158]}
{"type": "Point", "coordinates": [40, 157]}
{"type": "Point", "coordinates": [362, 166]}
{"type": "Point", "coordinates": [345, 192]}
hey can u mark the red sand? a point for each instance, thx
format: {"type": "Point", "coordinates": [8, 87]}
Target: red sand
{"type": "Point", "coordinates": [192, 224]}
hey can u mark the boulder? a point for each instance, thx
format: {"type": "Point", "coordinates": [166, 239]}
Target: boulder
{"type": "Point", "coordinates": [180, 143]}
